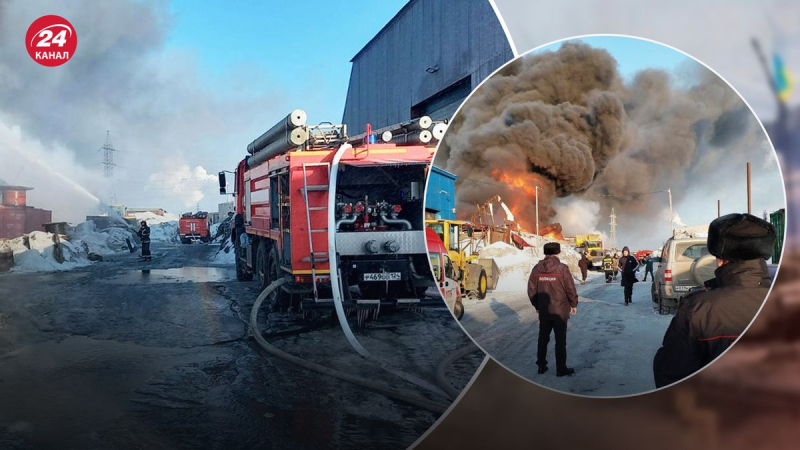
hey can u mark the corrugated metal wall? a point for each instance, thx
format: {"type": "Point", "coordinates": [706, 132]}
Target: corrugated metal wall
{"type": "Point", "coordinates": [441, 194]}
{"type": "Point", "coordinates": [457, 38]}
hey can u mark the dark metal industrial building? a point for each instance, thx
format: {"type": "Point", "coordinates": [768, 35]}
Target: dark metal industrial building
{"type": "Point", "coordinates": [425, 61]}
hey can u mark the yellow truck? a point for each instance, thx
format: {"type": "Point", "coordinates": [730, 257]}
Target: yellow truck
{"type": "Point", "coordinates": [593, 243]}
{"type": "Point", "coordinates": [455, 235]}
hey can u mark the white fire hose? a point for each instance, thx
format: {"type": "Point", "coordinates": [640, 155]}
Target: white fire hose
{"type": "Point", "coordinates": [379, 387]}
{"type": "Point", "coordinates": [336, 286]}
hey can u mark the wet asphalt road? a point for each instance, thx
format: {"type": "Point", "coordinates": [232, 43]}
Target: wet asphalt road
{"type": "Point", "coordinates": [128, 354]}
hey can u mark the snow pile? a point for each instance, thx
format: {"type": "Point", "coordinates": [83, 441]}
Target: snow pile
{"type": "Point", "coordinates": [162, 228]}
{"type": "Point", "coordinates": [108, 241]}
{"type": "Point", "coordinates": [225, 255]}
{"type": "Point", "coordinates": [569, 255]}
{"type": "Point", "coordinates": [514, 265]}
{"type": "Point", "coordinates": [41, 255]}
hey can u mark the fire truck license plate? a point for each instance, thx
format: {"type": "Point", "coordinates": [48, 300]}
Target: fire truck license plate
{"type": "Point", "coordinates": [382, 276]}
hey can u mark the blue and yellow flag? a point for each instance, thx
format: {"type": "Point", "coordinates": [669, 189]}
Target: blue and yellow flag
{"type": "Point", "coordinates": [783, 79]}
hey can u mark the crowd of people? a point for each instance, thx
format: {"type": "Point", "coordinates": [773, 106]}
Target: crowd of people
{"type": "Point", "coordinates": [708, 320]}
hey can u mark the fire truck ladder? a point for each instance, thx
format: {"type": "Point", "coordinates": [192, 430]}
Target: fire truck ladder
{"type": "Point", "coordinates": [314, 257]}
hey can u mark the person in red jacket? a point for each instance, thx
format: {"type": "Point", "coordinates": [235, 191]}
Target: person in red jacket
{"type": "Point", "coordinates": [552, 292]}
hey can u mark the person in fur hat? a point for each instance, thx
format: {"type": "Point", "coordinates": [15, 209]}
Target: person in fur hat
{"type": "Point", "coordinates": [551, 290]}
{"type": "Point", "coordinates": [709, 321]}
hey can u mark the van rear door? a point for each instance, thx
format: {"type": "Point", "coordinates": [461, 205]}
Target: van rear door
{"type": "Point", "coordinates": [682, 258]}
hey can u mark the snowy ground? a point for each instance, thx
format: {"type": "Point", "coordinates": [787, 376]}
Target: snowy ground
{"type": "Point", "coordinates": [610, 346]}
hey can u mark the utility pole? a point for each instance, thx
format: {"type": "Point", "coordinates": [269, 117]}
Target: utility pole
{"type": "Point", "coordinates": [537, 210]}
{"type": "Point", "coordinates": [671, 228]}
{"type": "Point", "coordinates": [613, 228]}
{"type": "Point", "coordinates": [718, 209]}
{"type": "Point", "coordinates": [749, 208]}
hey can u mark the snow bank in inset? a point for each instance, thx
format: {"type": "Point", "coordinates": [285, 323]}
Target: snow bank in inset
{"type": "Point", "coordinates": [515, 265]}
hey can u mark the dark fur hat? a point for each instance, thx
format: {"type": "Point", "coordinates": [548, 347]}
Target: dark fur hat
{"type": "Point", "coordinates": [739, 237]}
{"type": "Point", "coordinates": [552, 248]}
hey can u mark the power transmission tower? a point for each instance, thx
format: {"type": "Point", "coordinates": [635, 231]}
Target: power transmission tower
{"type": "Point", "coordinates": [108, 156]}
{"type": "Point", "coordinates": [613, 218]}
{"type": "Point", "coordinates": [108, 166]}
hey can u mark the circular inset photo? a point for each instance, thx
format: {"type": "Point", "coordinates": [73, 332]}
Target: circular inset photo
{"type": "Point", "coordinates": [608, 216]}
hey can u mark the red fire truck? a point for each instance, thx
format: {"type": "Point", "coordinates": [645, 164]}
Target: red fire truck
{"type": "Point", "coordinates": [309, 195]}
{"type": "Point", "coordinates": [194, 226]}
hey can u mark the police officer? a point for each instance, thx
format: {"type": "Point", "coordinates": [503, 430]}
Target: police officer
{"type": "Point", "coordinates": [552, 292]}
{"type": "Point", "coordinates": [144, 235]}
{"type": "Point", "coordinates": [709, 321]}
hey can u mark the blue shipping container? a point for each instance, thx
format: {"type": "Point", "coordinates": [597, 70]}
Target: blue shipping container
{"type": "Point", "coordinates": [440, 198]}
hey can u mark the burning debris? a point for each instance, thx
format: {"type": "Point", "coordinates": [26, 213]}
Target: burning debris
{"type": "Point", "coordinates": [567, 122]}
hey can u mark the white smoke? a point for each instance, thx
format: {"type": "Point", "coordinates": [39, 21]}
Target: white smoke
{"type": "Point", "coordinates": [578, 216]}
{"type": "Point", "coordinates": [183, 182]}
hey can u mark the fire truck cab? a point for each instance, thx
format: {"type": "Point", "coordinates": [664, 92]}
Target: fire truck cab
{"type": "Point", "coordinates": [285, 216]}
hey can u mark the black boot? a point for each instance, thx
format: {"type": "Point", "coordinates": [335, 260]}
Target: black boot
{"type": "Point", "coordinates": [542, 369]}
{"type": "Point", "coordinates": [569, 371]}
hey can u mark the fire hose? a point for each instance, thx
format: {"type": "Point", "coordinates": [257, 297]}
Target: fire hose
{"type": "Point", "coordinates": [382, 388]}
{"type": "Point", "coordinates": [336, 286]}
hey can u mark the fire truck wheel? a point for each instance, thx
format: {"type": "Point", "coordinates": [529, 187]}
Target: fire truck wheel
{"type": "Point", "coordinates": [262, 275]}
{"type": "Point", "coordinates": [483, 283]}
{"type": "Point", "coordinates": [279, 298]}
{"type": "Point", "coordinates": [262, 266]}
{"type": "Point", "coordinates": [241, 271]}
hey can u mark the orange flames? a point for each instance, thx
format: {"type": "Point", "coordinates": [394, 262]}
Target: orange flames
{"type": "Point", "coordinates": [525, 186]}
{"type": "Point", "coordinates": [552, 231]}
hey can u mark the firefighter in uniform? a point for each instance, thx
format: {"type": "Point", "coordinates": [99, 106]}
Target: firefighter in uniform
{"type": "Point", "coordinates": [144, 235]}
{"type": "Point", "coordinates": [551, 290]}
{"type": "Point", "coordinates": [608, 267]}
{"type": "Point", "coordinates": [710, 320]}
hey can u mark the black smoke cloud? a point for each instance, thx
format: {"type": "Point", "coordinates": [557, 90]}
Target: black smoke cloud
{"type": "Point", "coordinates": [567, 122]}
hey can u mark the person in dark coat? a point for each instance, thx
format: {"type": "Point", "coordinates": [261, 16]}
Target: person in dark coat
{"type": "Point", "coordinates": [144, 235]}
{"type": "Point", "coordinates": [583, 264]}
{"type": "Point", "coordinates": [552, 292]}
{"type": "Point", "coordinates": [710, 320]}
{"type": "Point", "coordinates": [648, 267]}
{"type": "Point", "coordinates": [627, 269]}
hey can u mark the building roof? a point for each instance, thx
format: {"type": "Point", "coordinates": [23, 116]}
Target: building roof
{"type": "Point", "coordinates": [379, 33]}
{"type": "Point", "coordinates": [444, 173]}
{"type": "Point", "coordinates": [14, 188]}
